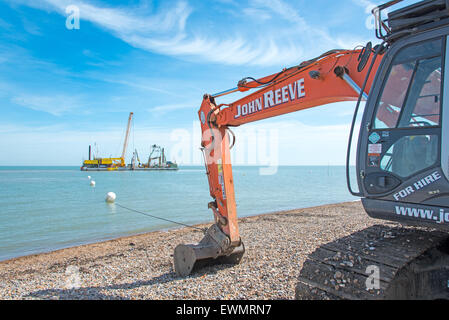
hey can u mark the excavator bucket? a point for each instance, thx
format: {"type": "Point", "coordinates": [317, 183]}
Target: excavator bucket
{"type": "Point", "coordinates": [213, 249]}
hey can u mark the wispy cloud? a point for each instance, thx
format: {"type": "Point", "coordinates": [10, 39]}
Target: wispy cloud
{"type": "Point", "coordinates": [167, 32]}
{"type": "Point", "coordinates": [364, 3]}
{"type": "Point", "coordinates": [31, 27]}
{"type": "Point", "coordinates": [5, 25]}
{"type": "Point", "coordinates": [162, 109]}
{"type": "Point", "coordinates": [55, 104]}
{"type": "Point", "coordinates": [132, 82]}
{"type": "Point", "coordinates": [256, 13]}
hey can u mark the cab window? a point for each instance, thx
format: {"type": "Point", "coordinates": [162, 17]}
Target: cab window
{"type": "Point", "coordinates": [411, 95]}
{"type": "Point", "coordinates": [422, 107]}
{"type": "Point", "coordinates": [411, 154]}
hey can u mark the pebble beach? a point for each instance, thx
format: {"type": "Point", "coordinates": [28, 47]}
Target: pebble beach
{"type": "Point", "coordinates": [141, 267]}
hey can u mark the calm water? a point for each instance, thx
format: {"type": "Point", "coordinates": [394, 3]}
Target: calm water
{"type": "Point", "coordinates": [43, 209]}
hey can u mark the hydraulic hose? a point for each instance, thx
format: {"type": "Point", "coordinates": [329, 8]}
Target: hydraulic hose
{"type": "Point", "coordinates": [379, 49]}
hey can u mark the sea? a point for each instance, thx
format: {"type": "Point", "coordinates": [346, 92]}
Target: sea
{"type": "Point", "coordinates": [48, 208]}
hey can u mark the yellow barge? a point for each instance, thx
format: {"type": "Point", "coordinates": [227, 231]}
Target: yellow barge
{"type": "Point", "coordinates": [156, 160]}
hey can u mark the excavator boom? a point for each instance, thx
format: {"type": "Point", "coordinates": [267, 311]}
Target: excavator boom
{"type": "Point", "coordinates": [332, 77]}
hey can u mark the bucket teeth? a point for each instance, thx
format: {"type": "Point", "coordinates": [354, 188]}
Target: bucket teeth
{"type": "Point", "coordinates": [214, 248]}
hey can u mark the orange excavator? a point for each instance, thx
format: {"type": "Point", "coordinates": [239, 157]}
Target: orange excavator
{"type": "Point", "coordinates": [402, 153]}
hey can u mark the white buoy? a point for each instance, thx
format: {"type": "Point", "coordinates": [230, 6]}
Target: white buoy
{"type": "Point", "coordinates": [110, 197]}
{"type": "Point", "coordinates": [88, 177]}
{"type": "Point", "coordinates": [92, 183]}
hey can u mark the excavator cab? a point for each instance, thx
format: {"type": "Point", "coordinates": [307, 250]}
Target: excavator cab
{"type": "Point", "coordinates": [403, 147]}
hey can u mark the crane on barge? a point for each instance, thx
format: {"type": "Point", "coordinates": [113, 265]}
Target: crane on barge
{"type": "Point", "coordinates": [109, 164]}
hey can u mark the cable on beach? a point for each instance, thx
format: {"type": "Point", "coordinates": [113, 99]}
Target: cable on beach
{"type": "Point", "coordinates": [204, 230]}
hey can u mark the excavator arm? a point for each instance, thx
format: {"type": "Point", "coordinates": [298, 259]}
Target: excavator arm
{"type": "Point", "coordinates": [335, 76]}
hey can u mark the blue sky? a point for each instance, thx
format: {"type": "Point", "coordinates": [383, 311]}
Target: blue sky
{"type": "Point", "coordinates": [61, 89]}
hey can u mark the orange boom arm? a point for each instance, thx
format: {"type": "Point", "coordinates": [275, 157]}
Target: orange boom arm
{"type": "Point", "coordinates": [332, 77]}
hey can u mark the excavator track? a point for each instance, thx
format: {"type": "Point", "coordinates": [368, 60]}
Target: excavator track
{"type": "Point", "coordinates": [379, 262]}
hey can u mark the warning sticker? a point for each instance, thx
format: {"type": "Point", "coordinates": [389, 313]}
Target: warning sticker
{"type": "Point", "coordinates": [221, 181]}
{"type": "Point", "coordinates": [374, 148]}
{"type": "Point", "coordinates": [374, 161]}
{"type": "Point", "coordinates": [374, 137]}
{"type": "Point", "coordinates": [221, 178]}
